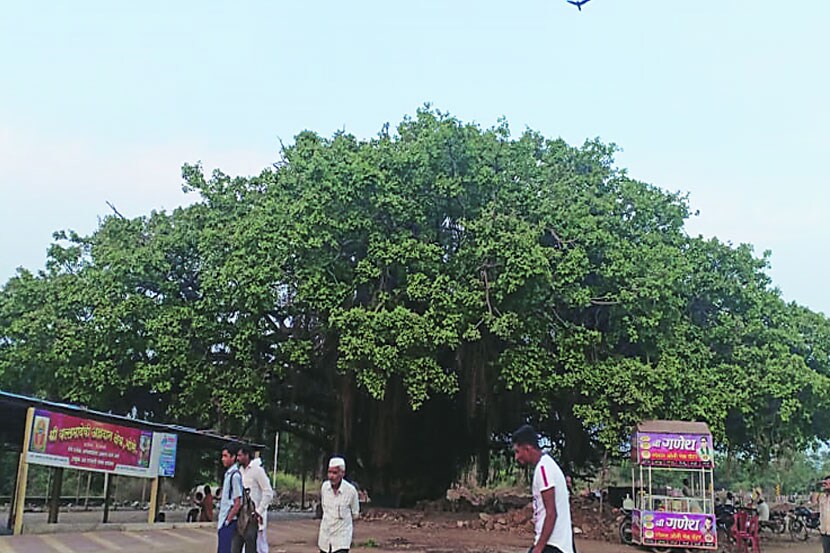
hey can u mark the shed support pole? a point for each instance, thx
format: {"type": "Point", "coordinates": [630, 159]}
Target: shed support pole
{"type": "Point", "coordinates": [107, 495]}
{"type": "Point", "coordinates": [154, 500]}
{"type": "Point", "coordinates": [55, 495]}
{"type": "Point", "coordinates": [22, 474]}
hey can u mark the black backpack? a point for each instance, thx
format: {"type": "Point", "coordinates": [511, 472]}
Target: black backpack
{"type": "Point", "coordinates": [247, 511]}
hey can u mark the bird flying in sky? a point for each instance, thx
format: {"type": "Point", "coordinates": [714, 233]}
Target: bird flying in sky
{"type": "Point", "coordinates": [578, 3]}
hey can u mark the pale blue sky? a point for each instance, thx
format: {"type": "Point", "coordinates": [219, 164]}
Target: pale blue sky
{"type": "Point", "coordinates": [728, 100]}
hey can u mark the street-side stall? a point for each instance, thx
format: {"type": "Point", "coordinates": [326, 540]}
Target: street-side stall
{"type": "Point", "coordinates": [671, 518]}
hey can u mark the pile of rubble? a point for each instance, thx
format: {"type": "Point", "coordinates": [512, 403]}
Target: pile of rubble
{"type": "Point", "coordinates": [587, 520]}
{"type": "Point", "coordinates": [517, 520]}
{"type": "Point", "coordinates": [464, 508]}
{"type": "Point", "coordinates": [463, 499]}
{"type": "Point", "coordinates": [291, 500]}
{"type": "Point", "coordinates": [407, 518]}
{"type": "Point", "coordinates": [592, 524]}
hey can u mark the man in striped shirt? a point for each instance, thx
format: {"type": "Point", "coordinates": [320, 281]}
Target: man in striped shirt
{"type": "Point", "coordinates": [551, 503]}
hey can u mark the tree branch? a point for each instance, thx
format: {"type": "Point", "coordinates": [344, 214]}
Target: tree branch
{"type": "Point", "coordinates": [490, 307]}
{"type": "Point", "coordinates": [118, 213]}
{"type": "Point", "coordinates": [559, 242]}
{"type": "Point", "coordinates": [604, 301]}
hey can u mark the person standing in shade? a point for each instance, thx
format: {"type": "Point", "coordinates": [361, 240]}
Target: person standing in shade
{"type": "Point", "coordinates": [255, 480]}
{"type": "Point", "coordinates": [687, 488]}
{"type": "Point", "coordinates": [198, 504]}
{"type": "Point", "coordinates": [230, 502]}
{"type": "Point", "coordinates": [824, 513]}
{"type": "Point", "coordinates": [341, 507]}
{"type": "Point", "coordinates": [206, 514]}
{"type": "Point", "coordinates": [551, 503]}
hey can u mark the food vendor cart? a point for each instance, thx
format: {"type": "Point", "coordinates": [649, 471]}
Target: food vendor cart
{"type": "Point", "coordinates": [666, 518]}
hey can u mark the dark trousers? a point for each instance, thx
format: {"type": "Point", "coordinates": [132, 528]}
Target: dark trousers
{"type": "Point", "coordinates": [825, 543]}
{"type": "Point", "coordinates": [231, 542]}
{"type": "Point", "coordinates": [226, 536]}
{"type": "Point", "coordinates": [548, 549]}
{"type": "Point", "coordinates": [248, 541]}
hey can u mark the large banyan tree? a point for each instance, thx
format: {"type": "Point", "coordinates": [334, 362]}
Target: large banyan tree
{"type": "Point", "coordinates": [408, 300]}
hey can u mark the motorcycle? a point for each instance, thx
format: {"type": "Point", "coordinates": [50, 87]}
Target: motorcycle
{"type": "Point", "coordinates": [777, 523]}
{"type": "Point", "coordinates": [725, 522]}
{"type": "Point", "coordinates": [803, 520]}
{"type": "Point", "coordinates": [625, 527]}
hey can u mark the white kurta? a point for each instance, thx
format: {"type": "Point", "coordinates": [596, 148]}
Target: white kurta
{"type": "Point", "coordinates": [340, 508]}
{"type": "Point", "coordinates": [255, 479]}
{"type": "Point", "coordinates": [824, 513]}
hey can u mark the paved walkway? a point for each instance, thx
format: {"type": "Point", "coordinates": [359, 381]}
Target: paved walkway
{"type": "Point", "coordinates": [202, 540]}
{"type": "Point", "coordinates": [295, 532]}
{"type": "Point", "coordinates": [178, 538]}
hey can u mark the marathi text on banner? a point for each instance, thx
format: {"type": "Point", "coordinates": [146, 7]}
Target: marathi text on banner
{"type": "Point", "coordinates": [675, 529]}
{"type": "Point", "coordinates": [62, 440]}
{"type": "Point", "coordinates": [673, 450]}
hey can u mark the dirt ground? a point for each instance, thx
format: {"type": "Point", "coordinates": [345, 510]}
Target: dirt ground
{"type": "Point", "coordinates": [386, 532]}
{"type": "Point", "coordinates": [296, 536]}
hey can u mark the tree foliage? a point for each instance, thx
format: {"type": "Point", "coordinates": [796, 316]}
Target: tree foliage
{"type": "Point", "coordinates": [410, 299]}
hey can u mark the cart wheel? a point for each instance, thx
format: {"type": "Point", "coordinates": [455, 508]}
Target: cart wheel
{"type": "Point", "coordinates": [667, 550]}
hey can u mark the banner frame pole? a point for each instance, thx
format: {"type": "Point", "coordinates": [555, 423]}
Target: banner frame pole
{"type": "Point", "coordinates": [22, 474]}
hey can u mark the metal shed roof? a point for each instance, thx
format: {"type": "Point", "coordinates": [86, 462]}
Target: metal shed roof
{"type": "Point", "coordinates": [13, 418]}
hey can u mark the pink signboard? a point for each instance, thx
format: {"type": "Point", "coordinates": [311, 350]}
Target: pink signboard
{"type": "Point", "coordinates": [673, 450]}
{"type": "Point", "coordinates": [61, 440]}
{"type": "Point", "coordinates": [657, 528]}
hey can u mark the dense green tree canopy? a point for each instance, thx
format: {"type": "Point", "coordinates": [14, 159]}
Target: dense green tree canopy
{"type": "Point", "coordinates": [410, 299]}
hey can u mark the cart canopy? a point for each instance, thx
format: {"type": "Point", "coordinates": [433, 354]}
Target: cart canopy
{"type": "Point", "coordinates": [674, 427]}
{"type": "Point", "coordinates": [672, 444]}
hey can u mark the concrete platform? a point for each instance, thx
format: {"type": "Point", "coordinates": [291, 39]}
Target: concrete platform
{"type": "Point", "coordinates": [128, 537]}
{"type": "Point", "coordinates": [73, 527]}
{"type": "Point", "coordinates": [158, 540]}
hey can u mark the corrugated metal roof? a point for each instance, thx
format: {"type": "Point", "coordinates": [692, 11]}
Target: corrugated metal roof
{"type": "Point", "coordinates": [9, 399]}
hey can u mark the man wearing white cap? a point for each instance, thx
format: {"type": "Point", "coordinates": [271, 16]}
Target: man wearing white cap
{"type": "Point", "coordinates": [340, 507]}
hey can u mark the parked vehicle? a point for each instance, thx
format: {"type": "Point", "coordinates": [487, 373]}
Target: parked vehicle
{"type": "Point", "coordinates": [803, 520]}
{"type": "Point", "coordinates": [625, 527]}
{"type": "Point", "coordinates": [777, 523]}
{"type": "Point", "coordinates": [725, 519]}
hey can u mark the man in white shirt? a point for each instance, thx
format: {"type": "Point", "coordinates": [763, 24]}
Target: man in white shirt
{"type": "Point", "coordinates": [763, 510]}
{"type": "Point", "coordinates": [340, 507]}
{"type": "Point", "coordinates": [824, 514]}
{"type": "Point", "coordinates": [255, 480]}
{"type": "Point", "coordinates": [551, 504]}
